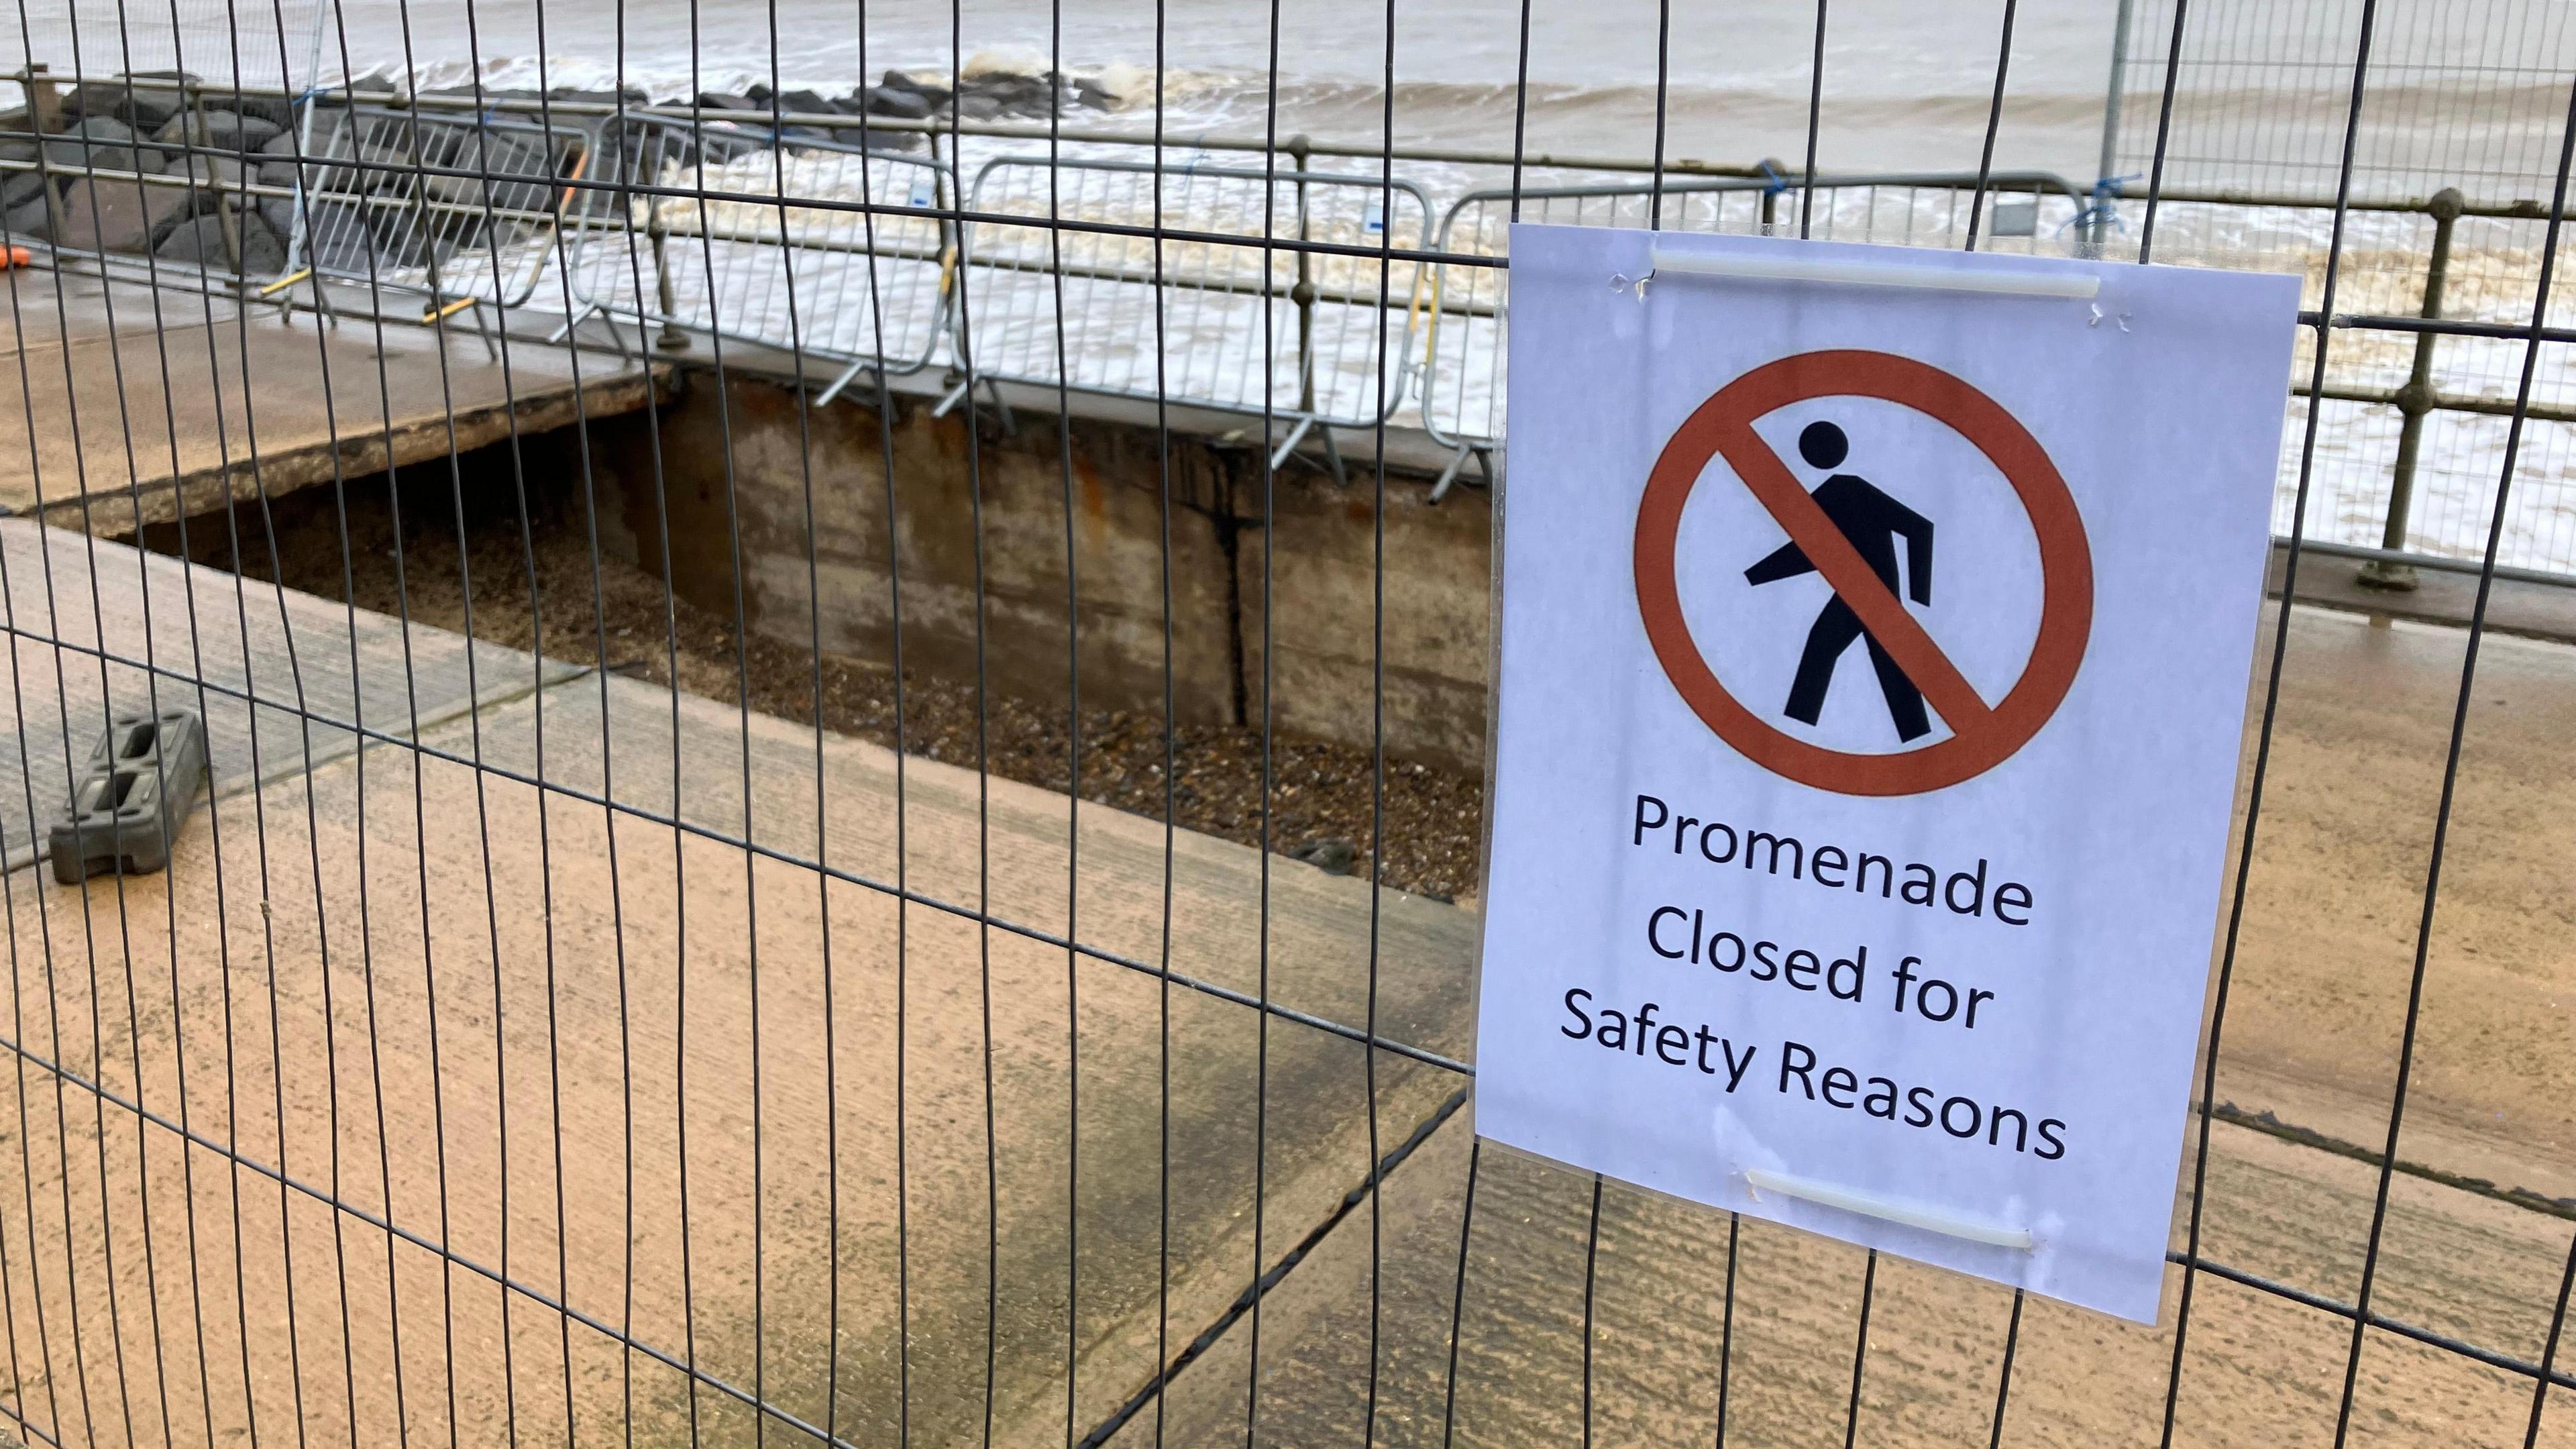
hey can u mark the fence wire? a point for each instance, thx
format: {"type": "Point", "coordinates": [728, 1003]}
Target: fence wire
{"type": "Point", "coordinates": [931, 902]}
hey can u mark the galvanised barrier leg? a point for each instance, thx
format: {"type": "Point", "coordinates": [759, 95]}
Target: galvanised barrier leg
{"type": "Point", "coordinates": [673, 339]}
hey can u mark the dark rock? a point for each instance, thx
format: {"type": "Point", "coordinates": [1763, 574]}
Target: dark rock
{"type": "Point", "coordinates": [200, 242]}
{"type": "Point", "coordinates": [759, 94]}
{"type": "Point", "coordinates": [1012, 92]}
{"type": "Point", "coordinates": [634, 95]}
{"type": "Point", "coordinates": [402, 242]}
{"type": "Point", "coordinates": [496, 157]}
{"type": "Point", "coordinates": [337, 242]}
{"type": "Point", "coordinates": [278, 212]}
{"type": "Point", "coordinates": [178, 217]}
{"type": "Point", "coordinates": [217, 131]}
{"type": "Point", "coordinates": [904, 105]}
{"type": "Point", "coordinates": [481, 94]}
{"type": "Point", "coordinates": [805, 103]}
{"type": "Point", "coordinates": [143, 107]}
{"type": "Point", "coordinates": [721, 144]}
{"type": "Point", "coordinates": [210, 174]}
{"type": "Point", "coordinates": [931, 91]}
{"type": "Point", "coordinates": [211, 180]}
{"type": "Point", "coordinates": [117, 216]}
{"type": "Point", "coordinates": [974, 107]}
{"type": "Point", "coordinates": [275, 110]}
{"type": "Point", "coordinates": [97, 98]}
{"type": "Point", "coordinates": [28, 221]}
{"type": "Point", "coordinates": [378, 168]}
{"type": "Point", "coordinates": [96, 144]}
{"type": "Point", "coordinates": [279, 168]}
{"type": "Point", "coordinates": [336, 139]}
{"type": "Point", "coordinates": [1331, 855]}
{"type": "Point", "coordinates": [722, 101]}
{"type": "Point", "coordinates": [21, 187]}
{"type": "Point", "coordinates": [100, 129]}
{"type": "Point", "coordinates": [342, 179]}
{"type": "Point", "coordinates": [287, 176]}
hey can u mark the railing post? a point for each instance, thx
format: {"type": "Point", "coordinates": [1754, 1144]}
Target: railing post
{"type": "Point", "coordinates": [665, 301]}
{"type": "Point", "coordinates": [192, 100]}
{"type": "Point", "coordinates": [45, 112]}
{"type": "Point", "coordinates": [2414, 400]}
{"type": "Point", "coordinates": [44, 102]}
{"type": "Point", "coordinates": [1303, 294]}
{"type": "Point", "coordinates": [2098, 226]}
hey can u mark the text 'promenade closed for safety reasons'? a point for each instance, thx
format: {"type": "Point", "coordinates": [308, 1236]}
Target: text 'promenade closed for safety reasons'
{"type": "Point", "coordinates": [1875, 638]}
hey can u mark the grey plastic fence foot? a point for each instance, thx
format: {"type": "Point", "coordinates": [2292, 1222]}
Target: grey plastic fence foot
{"type": "Point", "coordinates": [132, 797]}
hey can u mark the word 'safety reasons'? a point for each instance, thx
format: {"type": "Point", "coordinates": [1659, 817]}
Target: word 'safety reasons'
{"type": "Point", "coordinates": [1876, 632]}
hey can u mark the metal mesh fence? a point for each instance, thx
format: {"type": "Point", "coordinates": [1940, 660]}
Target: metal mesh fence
{"type": "Point", "coordinates": [2461, 93]}
{"type": "Point", "coordinates": [843, 284]}
{"type": "Point", "coordinates": [818, 839]}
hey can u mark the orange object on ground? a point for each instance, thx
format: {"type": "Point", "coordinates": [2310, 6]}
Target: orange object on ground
{"type": "Point", "coordinates": [16, 257]}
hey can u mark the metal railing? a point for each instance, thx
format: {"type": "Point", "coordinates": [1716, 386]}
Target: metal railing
{"type": "Point", "coordinates": [769, 265]}
{"type": "Point", "coordinates": [456, 209]}
{"type": "Point", "coordinates": [1464, 371]}
{"type": "Point", "coordinates": [679, 237]}
{"type": "Point", "coordinates": [377, 198]}
{"type": "Point", "coordinates": [1235, 325]}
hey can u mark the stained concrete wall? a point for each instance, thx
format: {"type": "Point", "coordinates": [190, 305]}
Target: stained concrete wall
{"type": "Point", "coordinates": [1325, 592]}
{"type": "Point", "coordinates": [743, 447]}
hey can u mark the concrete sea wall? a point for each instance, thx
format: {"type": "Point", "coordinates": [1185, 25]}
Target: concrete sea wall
{"type": "Point", "coordinates": [723, 475]}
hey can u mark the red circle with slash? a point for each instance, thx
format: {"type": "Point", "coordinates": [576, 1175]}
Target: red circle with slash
{"type": "Point", "coordinates": [1981, 737]}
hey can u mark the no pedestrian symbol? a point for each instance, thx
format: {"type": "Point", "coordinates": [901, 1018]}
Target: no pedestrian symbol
{"type": "Point", "coordinates": [1847, 533]}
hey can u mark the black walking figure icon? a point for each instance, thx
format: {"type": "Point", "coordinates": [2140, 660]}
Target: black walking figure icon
{"type": "Point", "coordinates": [1873, 522]}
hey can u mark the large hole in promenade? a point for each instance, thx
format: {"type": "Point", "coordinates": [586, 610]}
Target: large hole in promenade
{"type": "Point", "coordinates": [554, 555]}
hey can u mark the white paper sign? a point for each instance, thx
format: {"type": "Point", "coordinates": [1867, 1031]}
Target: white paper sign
{"type": "Point", "coordinates": [1874, 664]}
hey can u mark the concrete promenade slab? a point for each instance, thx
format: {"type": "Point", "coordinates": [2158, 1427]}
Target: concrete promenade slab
{"type": "Point", "coordinates": [601, 997]}
{"type": "Point", "coordinates": [653, 1061]}
{"type": "Point", "coordinates": [283, 680]}
{"type": "Point", "coordinates": [2318, 1001]}
{"type": "Point", "coordinates": [124, 401]}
